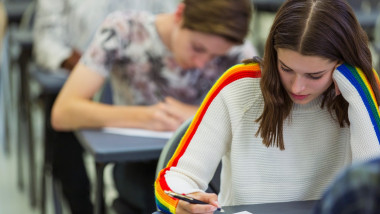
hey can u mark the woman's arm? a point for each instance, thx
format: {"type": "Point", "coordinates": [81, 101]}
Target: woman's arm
{"type": "Point", "coordinates": [75, 109]}
{"type": "Point", "coordinates": [206, 141]}
{"type": "Point", "coordinates": [197, 156]}
{"type": "Point", "coordinates": [363, 111]}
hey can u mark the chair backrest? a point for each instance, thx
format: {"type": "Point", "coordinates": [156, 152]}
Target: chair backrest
{"type": "Point", "coordinates": [169, 149]}
{"type": "Point", "coordinates": [105, 95]}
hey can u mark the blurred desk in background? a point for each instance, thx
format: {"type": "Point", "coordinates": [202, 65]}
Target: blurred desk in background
{"type": "Point", "coordinates": [15, 9]}
{"type": "Point", "coordinates": [293, 207]}
{"type": "Point", "coordinates": [108, 147]}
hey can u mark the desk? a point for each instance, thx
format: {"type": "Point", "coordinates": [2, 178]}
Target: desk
{"type": "Point", "coordinates": [15, 10]}
{"type": "Point", "coordinates": [109, 147]}
{"type": "Point", "coordinates": [295, 207]}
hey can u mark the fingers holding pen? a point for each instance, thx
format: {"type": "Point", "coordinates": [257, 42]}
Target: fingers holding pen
{"type": "Point", "coordinates": [161, 120]}
{"type": "Point", "coordinates": [179, 109]}
{"type": "Point", "coordinates": [169, 114]}
{"type": "Point", "coordinates": [211, 206]}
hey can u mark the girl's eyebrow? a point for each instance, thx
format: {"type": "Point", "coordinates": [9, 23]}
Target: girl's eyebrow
{"type": "Point", "coordinates": [284, 64]}
{"type": "Point", "coordinates": [318, 72]}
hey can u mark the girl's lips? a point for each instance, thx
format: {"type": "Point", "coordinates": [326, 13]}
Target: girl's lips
{"type": "Point", "coordinates": [299, 97]}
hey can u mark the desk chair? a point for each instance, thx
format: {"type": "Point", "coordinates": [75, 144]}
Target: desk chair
{"type": "Point", "coordinates": [103, 96]}
{"type": "Point", "coordinates": [6, 100]}
{"type": "Point", "coordinates": [20, 41]}
{"type": "Point", "coordinates": [169, 149]}
{"type": "Point", "coordinates": [52, 84]}
{"type": "Point", "coordinates": [49, 84]}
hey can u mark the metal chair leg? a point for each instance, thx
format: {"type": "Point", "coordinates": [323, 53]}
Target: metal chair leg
{"type": "Point", "coordinates": [100, 204]}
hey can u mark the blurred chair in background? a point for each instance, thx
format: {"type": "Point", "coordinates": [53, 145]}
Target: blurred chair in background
{"type": "Point", "coordinates": [15, 89]}
{"type": "Point", "coordinates": [3, 76]}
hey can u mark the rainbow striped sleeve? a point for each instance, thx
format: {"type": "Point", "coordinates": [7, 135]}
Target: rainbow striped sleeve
{"type": "Point", "coordinates": [165, 203]}
{"type": "Point", "coordinates": [357, 78]}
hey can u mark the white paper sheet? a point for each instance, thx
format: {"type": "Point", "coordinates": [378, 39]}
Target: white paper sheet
{"type": "Point", "coordinates": [243, 212]}
{"type": "Point", "coordinates": [138, 132]}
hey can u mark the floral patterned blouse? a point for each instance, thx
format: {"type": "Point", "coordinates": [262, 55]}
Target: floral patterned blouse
{"type": "Point", "coordinates": [128, 50]}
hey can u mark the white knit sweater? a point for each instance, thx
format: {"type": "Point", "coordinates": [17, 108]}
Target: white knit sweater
{"type": "Point", "coordinates": [316, 148]}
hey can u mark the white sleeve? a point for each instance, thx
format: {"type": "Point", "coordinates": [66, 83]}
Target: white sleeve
{"type": "Point", "coordinates": [204, 152]}
{"type": "Point", "coordinates": [363, 112]}
{"type": "Point", "coordinates": [50, 33]}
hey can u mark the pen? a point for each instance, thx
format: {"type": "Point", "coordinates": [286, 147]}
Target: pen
{"type": "Point", "coordinates": [188, 199]}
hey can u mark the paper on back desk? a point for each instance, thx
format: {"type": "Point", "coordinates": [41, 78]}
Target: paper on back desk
{"type": "Point", "coordinates": [138, 132]}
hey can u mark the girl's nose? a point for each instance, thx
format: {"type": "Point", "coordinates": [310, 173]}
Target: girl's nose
{"type": "Point", "coordinates": [200, 61]}
{"type": "Point", "coordinates": [298, 85]}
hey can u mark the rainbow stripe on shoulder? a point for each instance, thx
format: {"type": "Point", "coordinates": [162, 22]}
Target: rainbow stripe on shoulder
{"type": "Point", "coordinates": [357, 78]}
{"type": "Point", "coordinates": [164, 202]}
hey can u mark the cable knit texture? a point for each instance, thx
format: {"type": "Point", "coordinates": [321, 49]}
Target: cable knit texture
{"type": "Point", "coordinates": [316, 148]}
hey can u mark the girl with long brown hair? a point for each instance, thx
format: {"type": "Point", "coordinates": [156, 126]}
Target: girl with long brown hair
{"type": "Point", "coordinates": [283, 126]}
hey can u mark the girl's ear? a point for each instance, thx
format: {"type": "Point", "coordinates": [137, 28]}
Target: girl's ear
{"type": "Point", "coordinates": [178, 14]}
{"type": "Point", "coordinates": [337, 91]}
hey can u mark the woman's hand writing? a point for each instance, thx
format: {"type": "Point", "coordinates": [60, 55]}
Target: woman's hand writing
{"type": "Point", "coordinates": [168, 115]}
{"type": "Point", "coordinates": [178, 109]}
{"type": "Point", "coordinates": [184, 207]}
{"type": "Point", "coordinates": [159, 119]}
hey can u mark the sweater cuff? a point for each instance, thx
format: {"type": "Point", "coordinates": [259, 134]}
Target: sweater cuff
{"type": "Point", "coordinates": [363, 111]}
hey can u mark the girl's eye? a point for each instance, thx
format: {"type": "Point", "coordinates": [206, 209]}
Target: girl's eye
{"type": "Point", "coordinates": [285, 69]}
{"type": "Point", "coordinates": [311, 76]}
{"type": "Point", "coordinates": [196, 48]}
{"type": "Point", "coordinates": [314, 77]}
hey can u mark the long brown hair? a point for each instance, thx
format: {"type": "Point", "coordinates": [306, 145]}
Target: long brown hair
{"type": "Point", "coordinates": [325, 28]}
{"type": "Point", "coordinates": [226, 18]}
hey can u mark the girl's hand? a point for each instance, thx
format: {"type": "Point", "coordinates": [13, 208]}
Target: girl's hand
{"type": "Point", "coordinates": [159, 119]}
{"type": "Point", "coordinates": [168, 115]}
{"type": "Point", "coordinates": [179, 110]}
{"type": "Point", "coordinates": [184, 207]}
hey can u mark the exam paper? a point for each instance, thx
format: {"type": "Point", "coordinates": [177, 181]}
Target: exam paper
{"type": "Point", "coordinates": [138, 132]}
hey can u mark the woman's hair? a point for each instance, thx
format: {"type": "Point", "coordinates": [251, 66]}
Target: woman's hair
{"type": "Point", "coordinates": [226, 18]}
{"type": "Point", "coordinates": [324, 28]}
